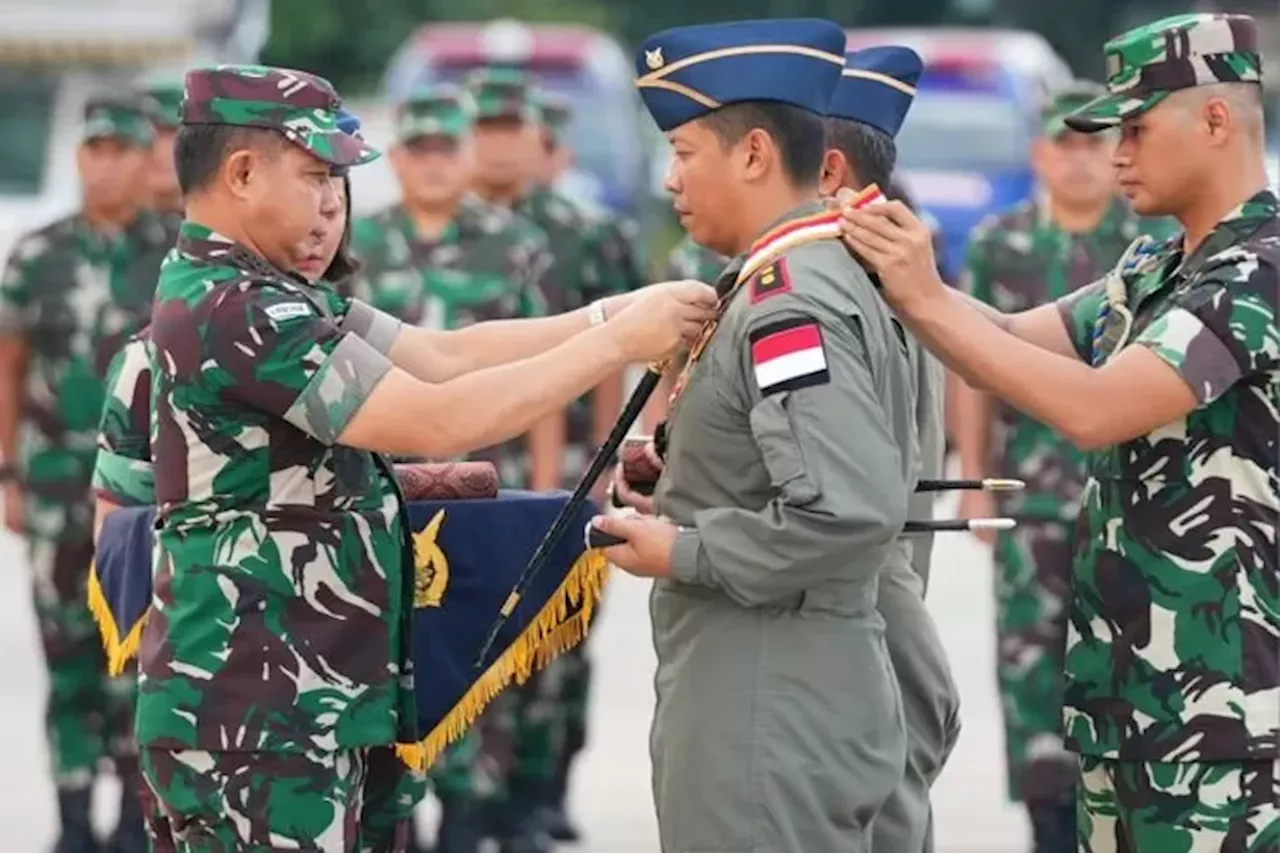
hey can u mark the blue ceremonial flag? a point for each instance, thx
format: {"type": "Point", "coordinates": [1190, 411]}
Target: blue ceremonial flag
{"type": "Point", "coordinates": [468, 554]}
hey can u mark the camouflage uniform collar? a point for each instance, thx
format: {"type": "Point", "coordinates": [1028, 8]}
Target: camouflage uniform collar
{"type": "Point", "coordinates": [202, 243]}
{"type": "Point", "coordinates": [1238, 225]}
{"type": "Point", "coordinates": [145, 226]}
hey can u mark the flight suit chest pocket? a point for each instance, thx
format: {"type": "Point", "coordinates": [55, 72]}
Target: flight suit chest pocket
{"type": "Point", "coordinates": [775, 434]}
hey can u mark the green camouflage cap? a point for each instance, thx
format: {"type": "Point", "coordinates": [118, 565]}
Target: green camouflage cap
{"type": "Point", "coordinates": [123, 118]}
{"type": "Point", "coordinates": [440, 110]}
{"type": "Point", "coordinates": [1145, 64]}
{"type": "Point", "coordinates": [1066, 101]}
{"type": "Point", "coordinates": [301, 106]}
{"type": "Point", "coordinates": [500, 92]}
{"type": "Point", "coordinates": [164, 100]}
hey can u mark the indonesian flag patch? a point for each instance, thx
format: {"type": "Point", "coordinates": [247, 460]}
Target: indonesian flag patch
{"type": "Point", "coordinates": [788, 354]}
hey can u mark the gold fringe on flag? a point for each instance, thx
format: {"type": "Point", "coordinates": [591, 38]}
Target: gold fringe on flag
{"type": "Point", "coordinates": [118, 651]}
{"type": "Point", "coordinates": [551, 633]}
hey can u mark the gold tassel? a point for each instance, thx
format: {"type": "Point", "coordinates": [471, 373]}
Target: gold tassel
{"type": "Point", "coordinates": [551, 633]}
{"type": "Point", "coordinates": [118, 651]}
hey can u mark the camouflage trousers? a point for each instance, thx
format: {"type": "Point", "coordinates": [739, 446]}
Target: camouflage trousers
{"type": "Point", "coordinates": [351, 801]}
{"type": "Point", "coordinates": [1032, 589]}
{"type": "Point", "coordinates": [1190, 807]}
{"type": "Point", "coordinates": [88, 714]}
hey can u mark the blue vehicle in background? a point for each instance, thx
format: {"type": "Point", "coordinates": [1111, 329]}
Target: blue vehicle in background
{"type": "Point", "coordinates": [584, 65]}
{"type": "Point", "coordinates": [964, 150]}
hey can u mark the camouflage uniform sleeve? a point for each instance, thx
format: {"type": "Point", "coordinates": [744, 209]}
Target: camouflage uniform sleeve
{"type": "Point", "coordinates": [15, 289]}
{"type": "Point", "coordinates": [122, 471]}
{"type": "Point", "coordinates": [281, 355]}
{"type": "Point", "coordinates": [1221, 329]}
{"type": "Point", "coordinates": [1079, 313]}
{"type": "Point", "coordinates": [807, 373]}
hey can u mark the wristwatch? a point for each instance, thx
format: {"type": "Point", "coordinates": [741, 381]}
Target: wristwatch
{"type": "Point", "coordinates": [595, 313]}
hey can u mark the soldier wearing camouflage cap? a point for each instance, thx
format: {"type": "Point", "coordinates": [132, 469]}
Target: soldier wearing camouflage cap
{"type": "Point", "coordinates": [71, 293]}
{"type": "Point", "coordinates": [443, 258]}
{"type": "Point", "coordinates": [164, 102]}
{"type": "Point", "coordinates": [277, 653]}
{"type": "Point", "coordinates": [1063, 239]}
{"type": "Point", "coordinates": [1167, 370]}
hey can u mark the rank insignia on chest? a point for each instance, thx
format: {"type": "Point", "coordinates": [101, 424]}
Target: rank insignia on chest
{"type": "Point", "coordinates": [770, 281]}
{"type": "Point", "coordinates": [788, 354]}
{"type": "Point", "coordinates": [431, 567]}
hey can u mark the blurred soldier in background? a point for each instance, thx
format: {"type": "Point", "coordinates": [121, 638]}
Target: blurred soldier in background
{"type": "Point", "coordinates": [164, 99]}
{"type": "Point", "coordinates": [1056, 243]}
{"type": "Point", "coordinates": [71, 294]}
{"type": "Point", "coordinates": [621, 270]}
{"type": "Point", "coordinates": [512, 169]}
{"type": "Point", "coordinates": [443, 258]}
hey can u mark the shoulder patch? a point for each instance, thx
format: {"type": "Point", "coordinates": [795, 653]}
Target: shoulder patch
{"type": "Point", "coordinates": [788, 354]}
{"type": "Point", "coordinates": [770, 281]}
{"type": "Point", "coordinates": [288, 310]}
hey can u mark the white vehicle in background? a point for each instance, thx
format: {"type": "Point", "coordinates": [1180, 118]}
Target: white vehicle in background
{"type": "Point", "coordinates": [56, 53]}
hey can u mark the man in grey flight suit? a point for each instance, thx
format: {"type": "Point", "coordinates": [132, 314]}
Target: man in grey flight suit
{"type": "Point", "coordinates": [790, 451]}
{"type": "Point", "coordinates": [870, 103]}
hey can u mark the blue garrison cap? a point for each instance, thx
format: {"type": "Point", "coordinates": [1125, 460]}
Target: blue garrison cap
{"type": "Point", "coordinates": [686, 72]}
{"type": "Point", "coordinates": [877, 87]}
{"type": "Point", "coordinates": [348, 123]}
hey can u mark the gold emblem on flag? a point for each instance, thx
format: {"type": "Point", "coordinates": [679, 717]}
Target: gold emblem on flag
{"type": "Point", "coordinates": [431, 567]}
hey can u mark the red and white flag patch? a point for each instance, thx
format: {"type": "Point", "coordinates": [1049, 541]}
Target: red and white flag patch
{"type": "Point", "coordinates": [788, 354]}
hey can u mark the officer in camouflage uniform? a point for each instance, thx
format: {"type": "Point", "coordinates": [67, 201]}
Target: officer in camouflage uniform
{"type": "Point", "coordinates": [443, 258]}
{"type": "Point", "coordinates": [276, 662]}
{"type": "Point", "coordinates": [123, 474]}
{"type": "Point", "coordinates": [1168, 370]}
{"type": "Point", "coordinates": [70, 295]}
{"type": "Point", "coordinates": [1047, 247]}
{"type": "Point", "coordinates": [164, 99]}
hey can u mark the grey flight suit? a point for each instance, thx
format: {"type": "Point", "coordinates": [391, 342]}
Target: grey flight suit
{"type": "Point", "coordinates": [779, 724]}
{"type": "Point", "coordinates": [931, 702]}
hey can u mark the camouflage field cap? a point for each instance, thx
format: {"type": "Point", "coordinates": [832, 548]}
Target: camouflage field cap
{"type": "Point", "coordinates": [164, 99]}
{"type": "Point", "coordinates": [1145, 64]}
{"type": "Point", "coordinates": [124, 118]}
{"type": "Point", "coordinates": [299, 105]}
{"type": "Point", "coordinates": [440, 110]}
{"type": "Point", "coordinates": [1066, 101]}
{"type": "Point", "coordinates": [500, 92]}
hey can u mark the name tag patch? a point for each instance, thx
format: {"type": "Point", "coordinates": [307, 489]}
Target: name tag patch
{"type": "Point", "coordinates": [288, 310]}
{"type": "Point", "coordinates": [789, 354]}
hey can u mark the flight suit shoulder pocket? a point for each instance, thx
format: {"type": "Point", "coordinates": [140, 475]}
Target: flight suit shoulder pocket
{"type": "Point", "coordinates": [775, 435]}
